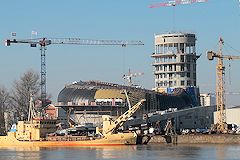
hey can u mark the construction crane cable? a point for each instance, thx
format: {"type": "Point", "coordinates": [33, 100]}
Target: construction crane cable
{"type": "Point", "coordinates": [232, 48]}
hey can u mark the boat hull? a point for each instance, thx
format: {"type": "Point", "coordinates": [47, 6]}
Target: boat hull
{"type": "Point", "coordinates": [109, 140]}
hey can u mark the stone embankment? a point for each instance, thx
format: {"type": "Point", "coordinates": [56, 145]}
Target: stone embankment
{"type": "Point", "coordinates": [198, 139]}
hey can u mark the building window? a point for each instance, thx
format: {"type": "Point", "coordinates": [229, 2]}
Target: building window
{"type": "Point", "coordinates": [170, 83]}
{"type": "Point", "coordinates": [165, 83]}
{"type": "Point", "coordinates": [188, 83]}
{"type": "Point", "coordinates": [188, 74]}
{"type": "Point", "coordinates": [182, 83]}
{"type": "Point", "coordinates": [182, 67]}
{"type": "Point", "coordinates": [164, 75]}
{"type": "Point", "coordinates": [182, 58]}
{"type": "Point", "coordinates": [188, 58]}
{"type": "Point", "coordinates": [165, 67]}
{"type": "Point", "coordinates": [182, 47]}
{"type": "Point", "coordinates": [170, 67]}
{"type": "Point", "coordinates": [194, 67]}
{"type": "Point", "coordinates": [188, 67]}
{"type": "Point", "coordinates": [194, 75]}
{"type": "Point", "coordinates": [182, 74]}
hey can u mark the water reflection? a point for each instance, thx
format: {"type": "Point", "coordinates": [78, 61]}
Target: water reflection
{"type": "Point", "coordinates": [20, 153]}
{"type": "Point", "coordinates": [163, 152]}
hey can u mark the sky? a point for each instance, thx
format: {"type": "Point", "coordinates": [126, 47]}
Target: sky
{"type": "Point", "coordinates": [117, 20]}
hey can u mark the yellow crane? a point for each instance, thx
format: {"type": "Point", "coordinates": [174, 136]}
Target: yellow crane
{"type": "Point", "coordinates": [220, 89]}
{"type": "Point", "coordinates": [110, 126]}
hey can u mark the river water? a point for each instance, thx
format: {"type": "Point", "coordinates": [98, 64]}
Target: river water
{"type": "Point", "coordinates": [148, 152]}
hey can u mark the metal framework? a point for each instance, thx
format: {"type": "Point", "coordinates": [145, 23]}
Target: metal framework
{"type": "Point", "coordinates": [123, 118]}
{"type": "Point", "coordinates": [43, 42]}
{"type": "Point", "coordinates": [170, 3]}
{"type": "Point", "coordinates": [220, 83]}
{"type": "Point", "coordinates": [129, 76]}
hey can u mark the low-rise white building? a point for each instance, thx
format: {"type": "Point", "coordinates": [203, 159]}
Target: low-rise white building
{"type": "Point", "coordinates": [207, 99]}
{"type": "Point", "coordinates": [232, 116]}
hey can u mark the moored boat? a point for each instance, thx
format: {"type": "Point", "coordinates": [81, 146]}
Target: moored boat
{"type": "Point", "coordinates": [42, 133]}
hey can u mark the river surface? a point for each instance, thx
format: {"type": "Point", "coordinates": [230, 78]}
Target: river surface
{"type": "Point", "coordinates": [148, 152]}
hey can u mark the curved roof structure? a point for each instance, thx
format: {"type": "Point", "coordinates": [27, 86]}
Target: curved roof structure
{"type": "Point", "coordinates": [85, 93]}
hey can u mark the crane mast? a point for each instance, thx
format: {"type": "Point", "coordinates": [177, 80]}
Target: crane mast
{"type": "Point", "coordinates": [43, 42]}
{"type": "Point", "coordinates": [220, 85]}
{"type": "Point", "coordinates": [220, 90]}
{"type": "Point", "coordinates": [43, 83]}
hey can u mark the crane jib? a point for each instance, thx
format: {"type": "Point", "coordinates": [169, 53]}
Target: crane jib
{"type": "Point", "coordinates": [43, 42]}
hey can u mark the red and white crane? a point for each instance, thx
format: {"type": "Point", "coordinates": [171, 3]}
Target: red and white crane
{"type": "Point", "coordinates": [175, 2]}
{"type": "Point", "coordinates": [129, 76]}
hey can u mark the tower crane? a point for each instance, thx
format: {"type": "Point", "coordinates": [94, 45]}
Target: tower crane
{"type": "Point", "coordinates": [220, 89]}
{"type": "Point", "coordinates": [129, 76]}
{"type": "Point", "coordinates": [43, 42]}
{"type": "Point", "coordinates": [175, 2]}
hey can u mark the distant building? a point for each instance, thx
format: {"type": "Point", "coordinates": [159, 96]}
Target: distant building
{"type": "Point", "coordinates": [53, 112]}
{"type": "Point", "coordinates": [207, 99]}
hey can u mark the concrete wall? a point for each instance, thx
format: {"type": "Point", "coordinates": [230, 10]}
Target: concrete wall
{"type": "Point", "coordinates": [201, 139]}
{"type": "Point", "coordinates": [192, 118]}
{"type": "Point", "coordinates": [197, 117]}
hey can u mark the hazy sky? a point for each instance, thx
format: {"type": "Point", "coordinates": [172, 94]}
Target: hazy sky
{"type": "Point", "coordinates": [108, 19]}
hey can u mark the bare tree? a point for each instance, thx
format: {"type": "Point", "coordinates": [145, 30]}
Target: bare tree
{"type": "Point", "coordinates": [28, 84]}
{"type": "Point", "coordinates": [4, 101]}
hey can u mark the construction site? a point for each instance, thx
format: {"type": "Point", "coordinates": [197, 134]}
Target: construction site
{"type": "Point", "coordinates": [173, 111]}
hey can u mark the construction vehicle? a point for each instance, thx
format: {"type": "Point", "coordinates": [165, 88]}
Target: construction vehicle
{"type": "Point", "coordinates": [43, 42]}
{"type": "Point", "coordinates": [221, 126]}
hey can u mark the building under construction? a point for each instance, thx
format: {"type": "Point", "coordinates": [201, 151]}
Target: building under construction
{"type": "Point", "coordinates": [175, 63]}
{"type": "Point", "coordinates": [175, 85]}
{"type": "Point", "coordinates": [88, 101]}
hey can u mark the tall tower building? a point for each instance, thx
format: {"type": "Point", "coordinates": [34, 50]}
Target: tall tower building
{"type": "Point", "coordinates": [174, 61]}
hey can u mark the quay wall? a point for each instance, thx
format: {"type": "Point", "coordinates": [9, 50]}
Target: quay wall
{"type": "Point", "coordinates": [199, 139]}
